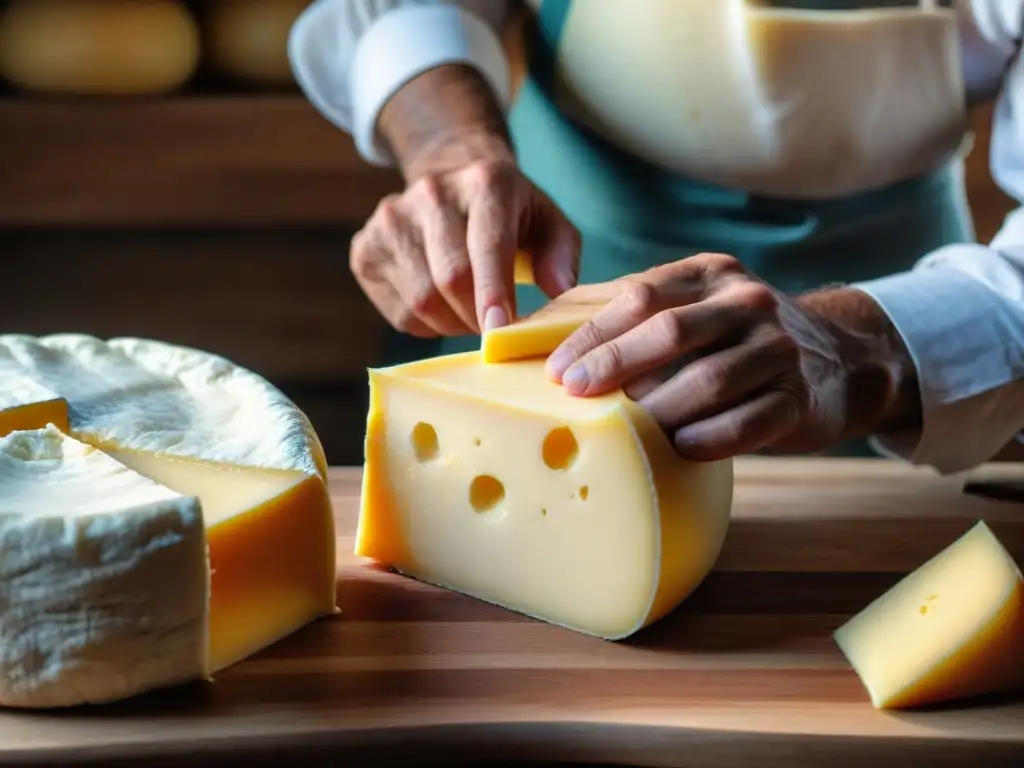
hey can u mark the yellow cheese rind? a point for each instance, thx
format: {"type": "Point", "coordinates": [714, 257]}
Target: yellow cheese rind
{"type": "Point", "coordinates": [601, 528]}
{"type": "Point", "coordinates": [98, 47]}
{"type": "Point", "coordinates": [952, 629]}
{"type": "Point", "coordinates": [103, 573]}
{"type": "Point", "coordinates": [272, 549]}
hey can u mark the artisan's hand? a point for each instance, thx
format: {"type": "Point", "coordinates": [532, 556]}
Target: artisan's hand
{"type": "Point", "coordinates": [728, 365]}
{"type": "Point", "coordinates": [438, 258]}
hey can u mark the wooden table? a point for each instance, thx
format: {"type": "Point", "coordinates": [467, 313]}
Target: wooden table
{"type": "Point", "coordinates": [745, 674]}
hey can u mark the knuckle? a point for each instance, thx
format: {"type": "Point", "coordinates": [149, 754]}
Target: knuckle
{"type": "Point", "coordinates": [587, 337]}
{"type": "Point", "coordinates": [712, 381]}
{"type": "Point", "coordinates": [423, 297]}
{"type": "Point", "coordinates": [756, 296]}
{"type": "Point", "coordinates": [453, 278]}
{"type": "Point", "coordinates": [668, 330]}
{"type": "Point", "coordinates": [430, 189]}
{"type": "Point", "coordinates": [387, 215]}
{"type": "Point", "coordinates": [605, 361]}
{"type": "Point", "coordinates": [639, 299]}
{"type": "Point", "coordinates": [488, 173]}
{"type": "Point", "coordinates": [720, 264]}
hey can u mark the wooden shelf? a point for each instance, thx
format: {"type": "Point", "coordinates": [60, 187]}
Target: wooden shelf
{"type": "Point", "coordinates": [190, 160]}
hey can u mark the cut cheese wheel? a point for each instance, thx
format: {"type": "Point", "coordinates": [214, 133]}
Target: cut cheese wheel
{"type": "Point", "coordinates": [103, 573]}
{"type": "Point", "coordinates": [490, 480]}
{"type": "Point", "coordinates": [540, 333]}
{"type": "Point", "coordinates": [24, 404]}
{"type": "Point", "coordinates": [952, 629]}
{"type": "Point", "coordinates": [203, 427]}
{"type": "Point", "coordinates": [98, 47]}
{"type": "Point", "coordinates": [248, 39]}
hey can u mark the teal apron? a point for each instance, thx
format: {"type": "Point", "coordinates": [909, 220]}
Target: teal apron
{"type": "Point", "coordinates": [633, 215]}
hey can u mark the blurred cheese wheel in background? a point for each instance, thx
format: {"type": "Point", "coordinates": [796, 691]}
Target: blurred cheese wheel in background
{"type": "Point", "coordinates": [247, 40]}
{"type": "Point", "coordinates": [98, 47]}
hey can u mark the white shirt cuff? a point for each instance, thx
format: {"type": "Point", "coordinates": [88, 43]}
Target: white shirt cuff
{"type": "Point", "coordinates": [960, 347]}
{"type": "Point", "coordinates": [396, 47]}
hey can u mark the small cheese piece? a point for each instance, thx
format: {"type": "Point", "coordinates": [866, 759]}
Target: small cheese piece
{"type": "Point", "coordinates": [103, 577]}
{"type": "Point", "coordinates": [24, 404]}
{"type": "Point", "coordinates": [523, 269]}
{"type": "Point", "coordinates": [952, 629]}
{"type": "Point", "coordinates": [540, 333]}
{"type": "Point", "coordinates": [490, 480]}
{"type": "Point", "coordinates": [204, 427]}
{"type": "Point", "coordinates": [98, 47]}
{"type": "Point", "coordinates": [247, 40]}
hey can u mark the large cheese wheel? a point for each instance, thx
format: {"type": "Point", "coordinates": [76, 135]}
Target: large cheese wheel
{"type": "Point", "coordinates": [98, 47]}
{"type": "Point", "coordinates": [247, 40]}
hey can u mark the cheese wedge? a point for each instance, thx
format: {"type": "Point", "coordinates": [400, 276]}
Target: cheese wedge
{"type": "Point", "coordinates": [205, 428]}
{"type": "Point", "coordinates": [952, 629]}
{"type": "Point", "coordinates": [103, 577]}
{"type": "Point", "coordinates": [491, 481]}
{"type": "Point", "coordinates": [24, 404]}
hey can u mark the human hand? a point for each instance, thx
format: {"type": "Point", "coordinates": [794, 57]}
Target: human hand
{"type": "Point", "coordinates": [438, 259]}
{"type": "Point", "coordinates": [729, 365]}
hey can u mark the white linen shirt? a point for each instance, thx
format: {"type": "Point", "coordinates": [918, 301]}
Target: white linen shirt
{"type": "Point", "coordinates": [960, 310]}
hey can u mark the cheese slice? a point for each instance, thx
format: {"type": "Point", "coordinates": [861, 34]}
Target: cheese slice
{"type": "Point", "coordinates": [103, 577]}
{"type": "Point", "coordinates": [203, 427]}
{"type": "Point", "coordinates": [952, 629]}
{"type": "Point", "coordinates": [24, 404]}
{"type": "Point", "coordinates": [540, 333]}
{"type": "Point", "coordinates": [491, 481]}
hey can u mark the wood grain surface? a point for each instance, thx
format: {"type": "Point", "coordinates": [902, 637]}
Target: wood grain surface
{"type": "Point", "coordinates": [745, 673]}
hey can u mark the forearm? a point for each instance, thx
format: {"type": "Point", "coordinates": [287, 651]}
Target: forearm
{"type": "Point", "coordinates": [444, 119]}
{"type": "Point", "coordinates": [883, 390]}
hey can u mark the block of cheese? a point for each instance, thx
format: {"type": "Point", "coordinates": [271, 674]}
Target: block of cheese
{"type": "Point", "coordinates": [24, 404]}
{"type": "Point", "coordinates": [98, 47]}
{"type": "Point", "coordinates": [491, 481]}
{"type": "Point", "coordinates": [952, 629]}
{"type": "Point", "coordinates": [247, 40]}
{"type": "Point", "coordinates": [540, 333]}
{"type": "Point", "coordinates": [103, 577]}
{"type": "Point", "coordinates": [203, 427]}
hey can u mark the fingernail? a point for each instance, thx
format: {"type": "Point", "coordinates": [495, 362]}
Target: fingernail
{"type": "Point", "coordinates": [559, 361]}
{"type": "Point", "coordinates": [495, 317]}
{"type": "Point", "coordinates": [576, 379]}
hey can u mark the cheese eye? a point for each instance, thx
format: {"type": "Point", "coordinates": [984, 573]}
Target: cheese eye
{"type": "Point", "coordinates": [560, 449]}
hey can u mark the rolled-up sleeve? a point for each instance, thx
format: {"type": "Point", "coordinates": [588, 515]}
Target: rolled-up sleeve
{"type": "Point", "coordinates": [960, 310]}
{"type": "Point", "coordinates": [350, 56]}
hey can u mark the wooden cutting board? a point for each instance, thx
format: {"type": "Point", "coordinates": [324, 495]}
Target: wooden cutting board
{"type": "Point", "coordinates": [746, 673]}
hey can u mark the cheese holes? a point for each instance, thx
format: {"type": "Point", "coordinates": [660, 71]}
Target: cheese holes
{"type": "Point", "coordinates": [560, 449]}
{"type": "Point", "coordinates": [424, 442]}
{"type": "Point", "coordinates": [485, 493]}
{"type": "Point", "coordinates": [584, 492]}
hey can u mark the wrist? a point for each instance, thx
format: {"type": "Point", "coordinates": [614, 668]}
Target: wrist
{"type": "Point", "coordinates": [881, 383]}
{"type": "Point", "coordinates": [444, 119]}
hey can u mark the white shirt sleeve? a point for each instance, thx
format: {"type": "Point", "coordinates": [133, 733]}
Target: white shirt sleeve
{"type": "Point", "coordinates": [960, 310]}
{"type": "Point", "coordinates": [350, 56]}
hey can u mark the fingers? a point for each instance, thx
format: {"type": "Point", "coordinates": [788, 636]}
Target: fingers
{"type": "Point", "coordinates": [713, 384]}
{"type": "Point", "coordinates": [444, 237]}
{"type": "Point", "coordinates": [492, 234]}
{"type": "Point", "coordinates": [555, 249]}
{"type": "Point", "coordinates": [746, 428]}
{"type": "Point", "coordinates": [665, 337]}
